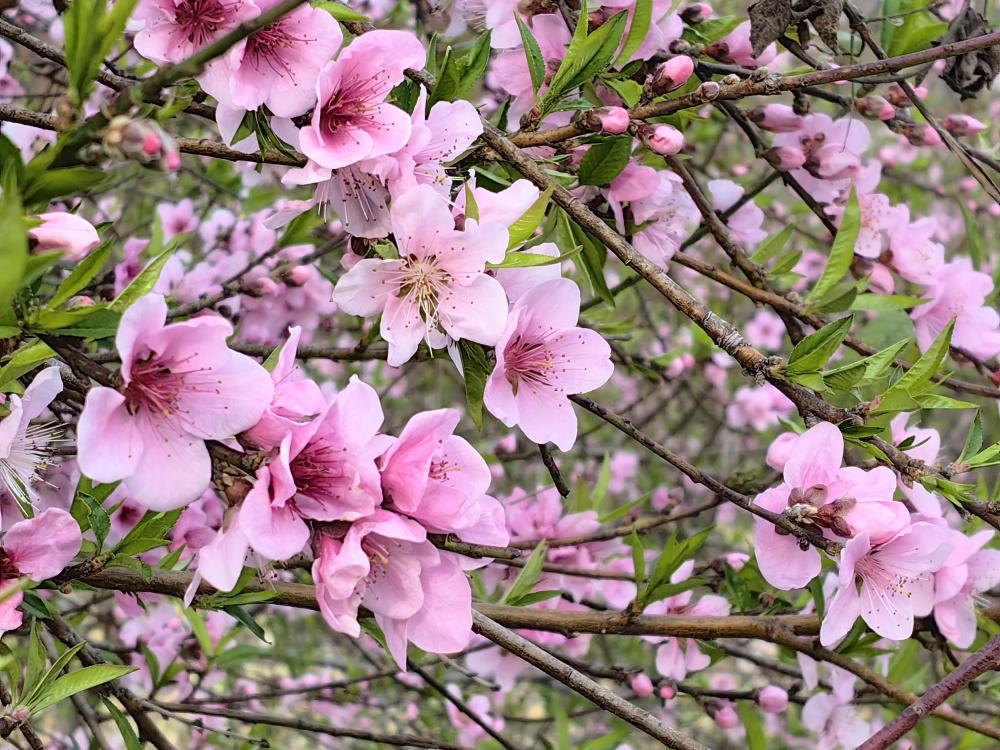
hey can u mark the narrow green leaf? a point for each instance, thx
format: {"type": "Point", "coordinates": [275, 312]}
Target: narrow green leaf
{"type": "Point", "coordinates": [529, 575]}
{"type": "Point", "coordinates": [756, 739]}
{"type": "Point", "coordinates": [128, 734]}
{"type": "Point", "coordinates": [772, 245]}
{"type": "Point", "coordinates": [76, 682]}
{"type": "Point", "coordinates": [974, 442]}
{"type": "Point", "coordinates": [882, 302]}
{"type": "Point", "coordinates": [81, 275]}
{"type": "Point", "coordinates": [841, 252]}
{"type": "Point", "coordinates": [341, 12]}
{"type": "Point", "coordinates": [533, 53]}
{"type": "Point", "coordinates": [642, 15]}
{"type": "Point", "coordinates": [524, 228]}
{"type": "Point", "coordinates": [14, 248]}
{"type": "Point", "coordinates": [476, 370]}
{"type": "Point", "coordinates": [142, 284]}
{"type": "Point", "coordinates": [814, 351]}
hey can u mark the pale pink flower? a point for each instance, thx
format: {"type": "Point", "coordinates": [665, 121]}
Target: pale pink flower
{"type": "Point", "coordinates": [180, 386]}
{"type": "Point", "coordinates": [777, 118]}
{"type": "Point", "coordinates": [25, 447]}
{"type": "Point", "coordinates": [352, 120]}
{"type": "Point", "coordinates": [437, 288]}
{"type": "Point", "coordinates": [916, 255]}
{"type": "Point", "coordinates": [386, 564]}
{"type": "Point", "coordinates": [758, 408]}
{"type": "Point", "coordinates": [278, 66]}
{"type": "Point", "coordinates": [38, 548]}
{"type": "Point", "coordinates": [833, 150]}
{"type": "Point", "coordinates": [968, 572]}
{"type": "Point", "coordinates": [766, 330]}
{"type": "Point", "coordinates": [436, 138]}
{"type": "Point", "coordinates": [672, 74]}
{"type": "Point", "coordinates": [176, 29]}
{"type": "Point", "coordinates": [959, 293]}
{"type": "Point", "coordinates": [896, 582]}
{"type": "Point", "coordinates": [70, 234]}
{"type": "Point", "coordinates": [664, 218]}
{"type": "Point", "coordinates": [880, 220]}
{"type": "Point", "coordinates": [841, 501]}
{"type": "Point", "coordinates": [772, 699]}
{"type": "Point", "coordinates": [542, 357]}
{"type": "Point", "coordinates": [746, 222]}
{"type": "Point", "coordinates": [176, 218]}
{"type": "Point", "coordinates": [296, 399]}
{"type": "Point", "coordinates": [434, 476]}
{"type": "Point", "coordinates": [325, 471]}
{"type": "Point", "coordinates": [661, 139]}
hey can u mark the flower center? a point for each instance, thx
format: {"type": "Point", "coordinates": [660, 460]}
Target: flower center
{"type": "Point", "coordinates": [153, 386]}
{"type": "Point", "coordinates": [8, 570]}
{"type": "Point", "coordinates": [202, 20]}
{"type": "Point", "coordinates": [319, 469]}
{"type": "Point", "coordinates": [528, 361]}
{"type": "Point", "coordinates": [266, 47]}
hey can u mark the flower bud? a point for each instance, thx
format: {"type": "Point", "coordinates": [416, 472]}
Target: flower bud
{"type": "Point", "coordinates": [296, 276]}
{"type": "Point", "coordinates": [875, 108]}
{"type": "Point", "coordinates": [777, 118]}
{"type": "Point", "coordinates": [667, 692]}
{"type": "Point", "coordinates": [724, 714]}
{"type": "Point", "coordinates": [695, 13]}
{"type": "Point", "coordinates": [785, 158]}
{"type": "Point", "coordinates": [671, 75]}
{"type": "Point", "coordinates": [143, 141]}
{"type": "Point", "coordinates": [641, 685]}
{"type": "Point", "coordinates": [265, 286]}
{"type": "Point", "coordinates": [960, 125]}
{"type": "Point", "coordinates": [613, 120]}
{"type": "Point", "coordinates": [71, 234]}
{"type": "Point", "coordinates": [79, 301]}
{"type": "Point", "coordinates": [919, 134]}
{"type": "Point", "coordinates": [662, 139]}
{"type": "Point", "coordinates": [772, 699]}
{"type": "Point", "coordinates": [709, 90]}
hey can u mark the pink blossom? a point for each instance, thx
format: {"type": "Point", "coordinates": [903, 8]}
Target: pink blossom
{"type": "Point", "coordinates": [759, 408]}
{"type": "Point", "coordinates": [968, 572]}
{"type": "Point", "coordinates": [352, 121]}
{"type": "Point", "coordinates": [896, 582]}
{"type": "Point", "coordinates": [959, 293]}
{"type": "Point", "coordinates": [780, 450]}
{"type": "Point", "coordinates": [296, 399]}
{"type": "Point", "coordinates": [436, 138]}
{"type": "Point", "coordinates": [665, 218]}
{"type": "Point", "coordinates": [880, 220]}
{"type": "Point", "coordinates": [325, 471]}
{"type": "Point", "coordinates": [437, 288]}
{"type": "Point", "coordinates": [542, 357]}
{"type": "Point", "coordinates": [434, 476]}
{"type": "Point", "coordinates": [386, 564]}
{"type": "Point", "coordinates": [177, 218]}
{"type": "Point", "coordinates": [746, 222]}
{"type": "Point", "coordinates": [671, 75]}
{"type": "Point", "coordinates": [766, 330]}
{"type": "Point", "coordinates": [833, 150]}
{"type": "Point", "coordinates": [180, 386]}
{"type": "Point", "coordinates": [25, 447]}
{"type": "Point", "coordinates": [38, 548]}
{"type": "Point", "coordinates": [916, 256]}
{"type": "Point", "coordinates": [277, 67]}
{"type": "Point", "coordinates": [724, 714]}
{"type": "Point", "coordinates": [176, 29]}
{"type": "Point", "coordinates": [70, 234]}
{"type": "Point", "coordinates": [641, 685]}
{"type": "Point", "coordinates": [842, 501]}
{"type": "Point", "coordinates": [613, 120]}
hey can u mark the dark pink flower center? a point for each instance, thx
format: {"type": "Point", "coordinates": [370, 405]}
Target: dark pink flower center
{"type": "Point", "coordinates": [351, 105]}
{"type": "Point", "coordinates": [8, 570]}
{"type": "Point", "coordinates": [201, 21]}
{"type": "Point", "coordinates": [528, 362]}
{"type": "Point", "coordinates": [153, 386]}
{"type": "Point", "coordinates": [319, 470]}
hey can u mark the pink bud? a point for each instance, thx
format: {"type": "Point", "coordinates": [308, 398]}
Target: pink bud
{"type": "Point", "coordinates": [725, 715]}
{"type": "Point", "coordinates": [668, 692]}
{"type": "Point", "coordinates": [612, 120]}
{"type": "Point", "coordinates": [671, 75]}
{"type": "Point", "coordinates": [72, 234]}
{"type": "Point", "coordinates": [960, 125]}
{"type": "Point", "coordinates": [152, 144]}
{"type": "Point", "coordinates": [772, 699]}
{"type": "Point", "coordinates": [297, 276]}
{"type": "Point", "coordinates": [931, 137]}
{"type": "Point", "coordinates": [875, 108]}
{"type": "Point", "coordinates": [641, 685]}
{"type": "Point", "coordinates": [79, 301]}
{"type": "Point", "coordinates": [172, 161]}
{"type": "Point", "coordinates": [662, 139]}
{"type": "Point", "coordinates": [777, 118]}
{"type": "Point", "coordinates": [265, 286]}
{"type": "Point", "coordinates": [695, 13]}
{"type": "Point", "coordinates": [785, 158]}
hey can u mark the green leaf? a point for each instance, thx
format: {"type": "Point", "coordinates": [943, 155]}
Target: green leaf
{"type": "Point", "coordinates": [476, 370]}
{"type": "Point", "coordinates": [974, 442]}
{"type": "Point", "coordinates": [627, 89]}
{"type": "Point", "coordinates": [56, 183]}
{"type": "Point", "coordinates": [40, 686]}
{"type": "Point", "coordinates": [529, 575]}
{"type": "Point", "coordinates": [247, 620]}
{"type": "Point", "coordinates": [128, 734]}
{"type": "Point", "coordinates": [841, 252]}
{"type": "Point", "coordinates": [14, 248]}
{"type": "Point", "coordinates": [592, 256]}
{"type": "Point", "coordinates": [24, 360]}
{"type": "Point", "coordinates": [142, 284]}
{"type": "Point", "coordinates": [974, 241]}
{"type": "Point", "coordinates": [605, 160]}
{"type": "Point", "coordinates": [524, 228]}
{"type": "Point", "coordinates": [523, 259]}
{"type": "Point", "coordinates": [140, 545]}
{"type": "Point", "coordinates": [935, 401]}
{"type": "Point", "coordinates": [76, 682]}
{"type": "Point", "coordinates": [773, 245]}
{"type": "Point", "coordinates": [917, 379]}
{"type": "Point", "coordinates": [814, 351]}
{"type": "Point", "coordinates": [91, 30]}
{"type": "Point", "coordinates": [711, 30]}
{"type": "Point", "coordinates": [756, 739]}
{"type": "Point", "coordinates": [587, 56]}
{"type": "Point", "coordinates": [81, 275]}
{"type": "Point", "coordinates": [341, 12]}
{"type": "Point", "coordinates": [459, 74]}
{"type": "Point", "coordinates": [865, 371]}
{"type": "Point", "coordinates": [638, 560]}
{"type": "Point", "coordinates": [153, 525]}
{"type": "Point", "coordinates": [908, 27]}
{"type": "Point", "coordinates": [533, 53]}
{"type": "Point", "coordinates": [641, 18]}
{"type": "Point", "coordinates": [471, 205]}
{"type": "Point", "coordinates": [883, 302]}
{"type": "Point", "coordinates": [986, 457]}
{"type": "Point", "coordinates": [100, 521]}
{"type": "Point", "coordinates": [36, 661]}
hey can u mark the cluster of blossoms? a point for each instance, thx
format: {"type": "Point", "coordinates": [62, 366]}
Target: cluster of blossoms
{"type": "Point", "coordinates": [897, 562]}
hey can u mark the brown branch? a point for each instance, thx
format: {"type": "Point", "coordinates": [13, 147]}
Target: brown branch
{"type": "Point", "coordinates": [984, 660]}
{"type": "Point", "coordinates": [580, 683]}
